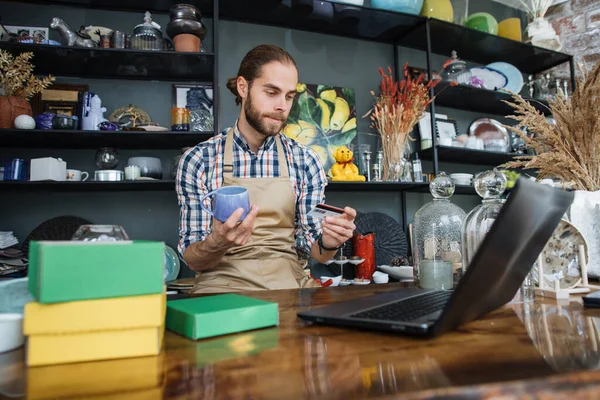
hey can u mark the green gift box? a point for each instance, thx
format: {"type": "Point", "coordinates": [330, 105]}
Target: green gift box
{"type": "Point", "coordinates": [203, 317]}
{"type": "Point", "coordinates": [61, 271]}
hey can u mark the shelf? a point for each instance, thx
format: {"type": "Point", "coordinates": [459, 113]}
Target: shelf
{"type": "Point", "coordinates": [170, 185]}
{"type": "Point", "coordinates": [466, 156]}
{"type": "Point", "coordinates": [374, 186]}
{"type": "Point", "coordinates": [369, 23]}
{"type": "Point", "coordinates": [484, 48]}
{"type": "Point", "coordinates": [70, 139]}
{"type": "Point", "coordinates": [205, 6]}
{"type": "Point", "coordinates": [470, 98]}
{"type": "Point", "coordinates": [87, 62]}
{"type": "Point", "coordinates": [52, 186]}
{"type": "Point", "coordinates": [459, 189]}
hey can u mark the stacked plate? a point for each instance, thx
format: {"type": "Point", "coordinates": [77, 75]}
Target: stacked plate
{"type": "Point", "coordinates": [499, 76]}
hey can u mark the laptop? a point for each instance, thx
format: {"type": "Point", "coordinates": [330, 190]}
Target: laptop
{"type": "Point", "coordinates": [504, 258]}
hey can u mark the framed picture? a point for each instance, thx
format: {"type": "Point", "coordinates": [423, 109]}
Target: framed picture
{"type": "Point", "coordinates": [425, 125]}
{"type": "Point", "coordinates": [194, 97]}
{"type": "Point", "coordinates": [446, 128]}
{"type": "Point", "coordinates": [199, 100]}
{"type": "Point", "coordinates": [35, 33]}
{"type": "Point", "coordinates": [306, 124]}
{"type": "Point", "coordinates": [60, 98]}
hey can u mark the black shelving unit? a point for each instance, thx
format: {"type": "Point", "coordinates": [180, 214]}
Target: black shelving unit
{"type": "Point", "coordinates": [394, 28]}
{"type": "Point", "coordinates": [78, 139]}
{"type": "Point", "coordinates": [470, 98]}
{"type": "Point", "coordinates": [145, 185]}
{"type": "Point", "coordinates": [87, 186]}
{"type": "Point", "coordinates": [129, 64]}
{"type": "Point", "coordinates": [484, 48]}
{"type": "Point", "coordinates": [466, 156]}
{"type": "Point", "coordinates": [205, 6]}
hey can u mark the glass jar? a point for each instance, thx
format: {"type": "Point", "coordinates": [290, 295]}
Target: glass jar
{"type": "Point", "coordinates": [456, 70]}
{"type": "Point", "coordinates": [147, 36]}
{"type": "Point", "coordinates": [437, 240]}
{"type": "Point", "coordinates": [107, 158]}
{"type": "Point", "coordinates": [490, 185]}
{"type": "Point", "coordinates": [180, 119]}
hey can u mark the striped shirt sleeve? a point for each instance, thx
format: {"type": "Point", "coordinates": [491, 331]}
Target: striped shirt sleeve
{"type": "Point", "coordinates": [194, 222]}
{"type": "Point", "coordinates": [311, 192]}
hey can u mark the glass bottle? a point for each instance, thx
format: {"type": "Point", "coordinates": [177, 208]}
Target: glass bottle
{"type": "Point", "coordinates": [437, 238]}
{"type": "Point", "coordinates": [490, 185]}
{"type": "Point", "coordinates": [417, 169]}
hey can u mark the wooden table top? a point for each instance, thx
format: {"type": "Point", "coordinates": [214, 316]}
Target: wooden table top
{"type": "Point", "coordinates": [545, 347]}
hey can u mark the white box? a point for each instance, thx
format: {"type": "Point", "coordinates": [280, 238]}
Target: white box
{"type": "Point", "coordinates": [48, 169]}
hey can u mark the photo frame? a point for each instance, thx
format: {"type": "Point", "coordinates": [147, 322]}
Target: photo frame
{"type": "Point", "coordinates": [201, 97]}
{"type": "Point", "coordinates": [25, 33]}
{"type": "Point", "coordinates": [446, 128]}
{"type": "Point", "coordinates": [60, 98]}
{"type": "Point", "coordinates": [424, 124]}
{"type": "Point", "coordinates": [199, 100]}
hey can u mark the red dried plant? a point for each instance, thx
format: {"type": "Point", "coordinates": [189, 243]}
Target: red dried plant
{"type": "Point", "coordinates": [398, 108]}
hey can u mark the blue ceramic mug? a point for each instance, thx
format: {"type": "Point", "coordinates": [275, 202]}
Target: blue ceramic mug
{"type": "Point", "coordinates": [227, 200]}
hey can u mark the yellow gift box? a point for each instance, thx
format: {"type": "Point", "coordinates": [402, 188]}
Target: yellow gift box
{"type": "Point", "coordinates": [103, 345]}
{"type": "Point", "coordinates": [94, 329]}
{"type": "Point", "coordinates": [117, 313]}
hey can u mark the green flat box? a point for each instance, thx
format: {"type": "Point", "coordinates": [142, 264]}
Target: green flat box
{"type": "Point", "coordinates": [204, 317]}
{"type": "Point", "coordinates": [61, 271]}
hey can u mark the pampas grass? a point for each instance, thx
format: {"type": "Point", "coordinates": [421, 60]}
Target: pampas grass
{"type": "Point", "coordinates": [568, 150]}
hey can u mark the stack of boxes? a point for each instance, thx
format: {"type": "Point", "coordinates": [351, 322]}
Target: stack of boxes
{"type": "Point", "coordinates": [94, 301]}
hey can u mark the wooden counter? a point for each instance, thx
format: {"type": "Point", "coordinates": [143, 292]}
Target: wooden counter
{"type": "Point", "coordinates": [547, 348]}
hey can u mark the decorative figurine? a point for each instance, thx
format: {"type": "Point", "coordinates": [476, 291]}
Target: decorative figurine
{"type": "Point", "coordinates": [95, 115]}
{"type": "Point", "coordinates": [343, 169]}
{"type": "Point", "coordinates": [68, 37]}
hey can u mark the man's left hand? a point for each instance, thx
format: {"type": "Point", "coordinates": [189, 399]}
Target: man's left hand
{"type": "Point", "coordinates": [338, 230]}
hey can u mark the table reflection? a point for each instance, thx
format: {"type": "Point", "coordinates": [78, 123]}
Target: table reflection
{"type": "Point", "coordinates": [567, 339]}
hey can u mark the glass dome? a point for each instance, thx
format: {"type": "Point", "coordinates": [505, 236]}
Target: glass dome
{"type": "Point", "coordinates": [437, 238]}
{"type": "Point", "coordinates": [490, 185]}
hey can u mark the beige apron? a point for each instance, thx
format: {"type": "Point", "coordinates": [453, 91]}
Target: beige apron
{"type": "Point", "coordinates": [269, 259]}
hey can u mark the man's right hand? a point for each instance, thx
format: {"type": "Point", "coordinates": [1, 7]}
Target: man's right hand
{"type": "Point", "coordinates": [232, 233]}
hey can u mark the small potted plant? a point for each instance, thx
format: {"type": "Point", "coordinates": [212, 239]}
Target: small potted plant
{"type": "Point", "coordinates": [17, 85]}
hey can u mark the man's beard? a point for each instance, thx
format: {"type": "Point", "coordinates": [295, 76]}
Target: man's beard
{"type": "Point", "coordinates": [256, 119]}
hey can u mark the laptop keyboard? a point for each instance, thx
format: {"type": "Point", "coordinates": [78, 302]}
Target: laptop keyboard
{"type": "Point", "coordinates": [408, 309]}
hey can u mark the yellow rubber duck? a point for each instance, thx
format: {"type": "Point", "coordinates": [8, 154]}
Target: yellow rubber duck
{"type": "Point", "coordinates": [343, 170]}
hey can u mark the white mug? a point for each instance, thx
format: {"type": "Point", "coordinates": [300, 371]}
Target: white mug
{"type": "Point", "coordinates": [132, 172]}
{"type": "Point", "coordinates": [76, 175]}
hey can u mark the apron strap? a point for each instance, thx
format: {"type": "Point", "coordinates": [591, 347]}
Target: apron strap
{"type": "Point", "coordinates": [283, 165]}
{"type": "Point", "coordinates": [228, 159]}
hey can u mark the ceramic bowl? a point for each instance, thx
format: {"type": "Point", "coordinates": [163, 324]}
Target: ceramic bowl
{"type": "Point", "coordinates": [380, 277]}
{"type": "Point", "coordinates": [150, 167]}
{"type": "Point", "coordinates": [336, 280]}
{"type": "Point", "coordinates": [14, 294]}
{"type": "Point", "coordinates": [11, 331]}
{"type": "Point", "coordinates": [64, 122]}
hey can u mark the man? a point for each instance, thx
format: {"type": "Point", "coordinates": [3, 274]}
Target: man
{"type": "Point", "coordinates": [269, 248]}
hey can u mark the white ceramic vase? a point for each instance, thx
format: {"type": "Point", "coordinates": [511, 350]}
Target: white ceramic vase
{"type": "Point", "coordinates": [584, 214]}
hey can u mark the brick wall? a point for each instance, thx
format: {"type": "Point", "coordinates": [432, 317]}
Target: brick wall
{"type": "Point", "coordinates": [578, 24]}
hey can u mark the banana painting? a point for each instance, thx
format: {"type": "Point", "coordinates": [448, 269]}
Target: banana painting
{"type": "Point", "coordinates": [322, 118]}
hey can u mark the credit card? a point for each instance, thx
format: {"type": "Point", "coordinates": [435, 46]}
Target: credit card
{"type": "Point", "coordinates": [324, 210]}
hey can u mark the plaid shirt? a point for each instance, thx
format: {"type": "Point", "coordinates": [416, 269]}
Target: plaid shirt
{"type": "Point", "coordinates": [201, 171]}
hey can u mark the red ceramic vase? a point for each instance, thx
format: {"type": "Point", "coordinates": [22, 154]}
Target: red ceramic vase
{"type": "Point", "coordinates": [364, 247]}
